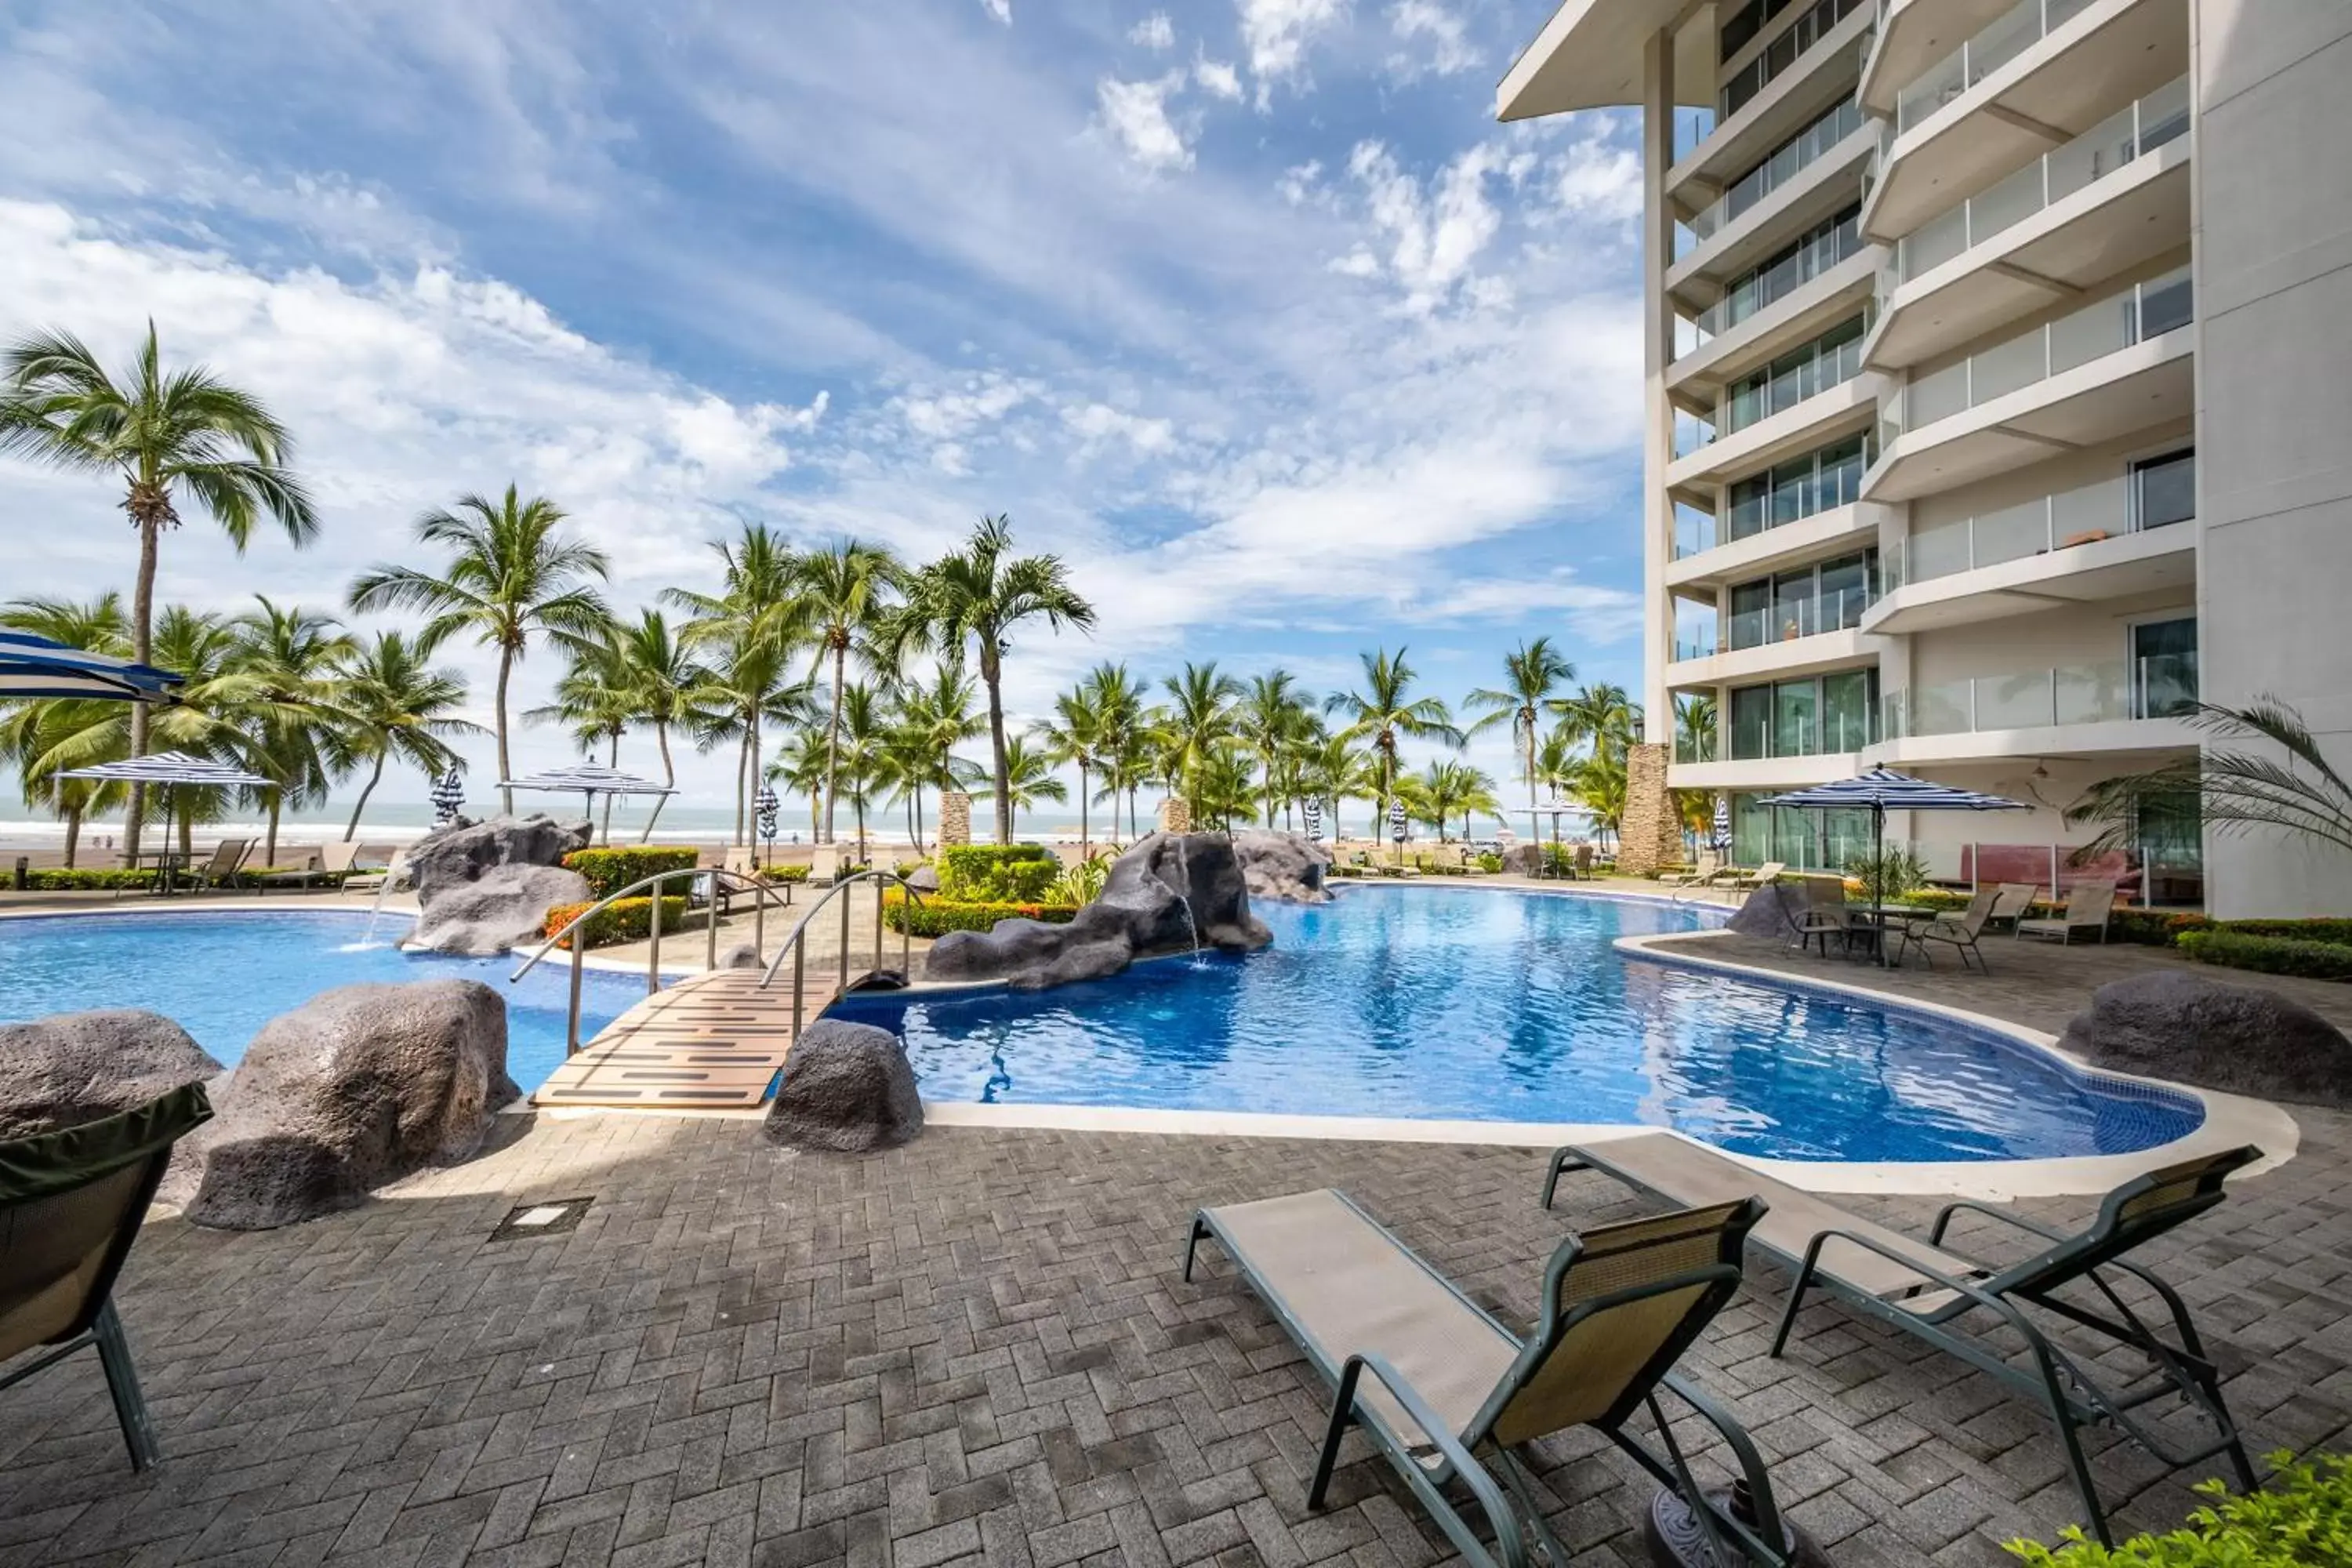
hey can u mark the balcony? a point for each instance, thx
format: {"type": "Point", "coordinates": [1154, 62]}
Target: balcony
{"type": "Point", "coordinates": [1910, 36]}
{"type": "Point", "coordinates": [1723, 243]}
{"type": "Point", "coordinates": [1755, 292]}
{"type": "Point", "coordinates": [2039, 75]}
{"type": "Point", "coordinates": [1840, 407]}
{"type": "Point", "coordinates": [1792, 159]}
{"type": "Point", "coordinates": [1817, 54]}
{"type": "Point", "coordinates": [2112, 200]}
{"type": "Point", "coordinates": [2097, 374]}
{"type": "Point", "coordinates": [1794, 637]}
{"type": "Point", "coordinates": [1705, 567]}
{"type": "Point", "coordinates": [2120, 705]}
{"type": "Point", "coordinates": [2082, 546]}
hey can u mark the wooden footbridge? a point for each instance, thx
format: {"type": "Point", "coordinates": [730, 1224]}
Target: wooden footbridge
{"type": "Point", "coordinates": [714, 1041]}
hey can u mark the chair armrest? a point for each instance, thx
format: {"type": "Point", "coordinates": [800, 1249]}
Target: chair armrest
{"type": "Point", "coordinates": [1510, 1544]}
{"type": "Point", "coordinates": [2007, 1216]}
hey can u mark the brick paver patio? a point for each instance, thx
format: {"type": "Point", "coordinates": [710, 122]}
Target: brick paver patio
{"type": "Point", "coordinates": [977, 1347]}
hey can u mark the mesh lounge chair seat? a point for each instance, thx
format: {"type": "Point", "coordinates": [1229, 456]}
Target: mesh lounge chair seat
{"type": "Point", "coordinates": [2087, 909]}
{"type": "Point", "coordinates": [393, 875]}
{"type": "Point", "coordinates": [70, 1207]}
{"type": "Point", "coordinates": [1927, 1288]}
{"type": "Point", "coordinates": [1436, 1382]}
{"type": "Point", "coordinates": [330, 864]}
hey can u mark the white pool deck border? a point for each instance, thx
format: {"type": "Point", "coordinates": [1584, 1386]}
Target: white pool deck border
{"type": "Point", "coordinates": [2231, 1121]}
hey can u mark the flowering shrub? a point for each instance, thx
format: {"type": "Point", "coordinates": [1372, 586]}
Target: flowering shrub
{"type": "Point", "coordinates": [624, 920]}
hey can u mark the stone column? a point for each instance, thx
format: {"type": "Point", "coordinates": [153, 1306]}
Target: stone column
{"type": "Point", "coordinates": [1175, 815]}
{"type": "Point", "coordinates": [955, 817]}
{"type": "Point", "coordinates": [1651, 835]}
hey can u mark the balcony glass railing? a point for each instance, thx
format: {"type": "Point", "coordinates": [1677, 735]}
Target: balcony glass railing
{"type": "Point", "coordinates": [1793, 158]}
{"type": "Point", "coordinates": [2161, 686]}
{"type": "Point", "coordinates": [2120, 140]}
{"type": "Point", "coordinates": [2046, 523]}
{"type": "Point", "coordinates": [1767, 284]}
{"type": "Point", "coordinates": [2146, 311]}
{"type": "Point", "coordinates": [1696, 642]}
{"type": "Point", "coordinates": [1827, 484]}
{"type": "Point", "coordinates": [1786, 50]}
{"type": "Point", "coordinates": [1790, 619]}
{"type": "Point", "coordinates": [1693, 530]}
{"type": "Point", "coordinates": [1793, 384]}
{"type": "Point", "coordinates": [1691, 433]}
{"type": "Point", "coordinates": [2010, 36]}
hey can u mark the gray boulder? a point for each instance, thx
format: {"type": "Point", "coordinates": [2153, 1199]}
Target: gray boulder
{"type": "Point", "coordinates": [358, 1086]}
{"type": "Point", "coordinates": [1771, 912]}
{"type": "Point", "coordinates": [846, 1087]}
{"type": "Point", "coordinates": [2240, 1040]}
{"type": "Point", "coordinates": [72, 1067]}
{"type": "Point", "coordinates": [924, 879]}
{"type": "Point", "coordinates": [505, 907]}
{"type": "Point", "coordinates": [455, 856]}
{"type": "Point", "coordinates": [741, 956]}
{"type": "Point", "coordinates": [1283, 866]}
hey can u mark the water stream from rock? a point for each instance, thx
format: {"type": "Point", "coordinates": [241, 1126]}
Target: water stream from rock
{"type": "Point", "coordinates": [1184, 869]}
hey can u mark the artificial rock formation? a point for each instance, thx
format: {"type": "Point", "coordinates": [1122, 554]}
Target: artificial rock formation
{"type": "Point", "coordinates": [846, 1087]}
{"type": "Point", "coordinates": [358, 1086]}
{"type": "Point", "coordinates": [1283, 865]}
{"type": "Point", "coordinates": [2240, 1040]}
{"type": "Point", "coordinates": [1773, 912]}
{"type": "Point", "coordinates": [1167, 894]}
{"type": "Point", "coordinates": [955, 817]}
{"type": "Point", "coordinates": [73, 1067]}
{"type": "Point", "coordinates": [485, 887]}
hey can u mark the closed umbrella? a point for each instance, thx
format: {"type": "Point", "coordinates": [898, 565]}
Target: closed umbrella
{"type": "Point", "coordinates": [1882, 790]}
{"type": "Point", "coordinates": [767, 804]}
{"type": "Point", "coordinates": [1310, 811]}
{"type": "Point", "coordinates": [447, 795]}
{"type": "Point", "coordinates": [1722, 840]}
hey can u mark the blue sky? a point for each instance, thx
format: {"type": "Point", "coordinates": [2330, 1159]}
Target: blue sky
{"type": "Point", "coordinates": [1247, 307]}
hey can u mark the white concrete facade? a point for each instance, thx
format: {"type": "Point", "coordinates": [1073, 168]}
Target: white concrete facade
{"type": "Point", "coordinates": [1989, 454]}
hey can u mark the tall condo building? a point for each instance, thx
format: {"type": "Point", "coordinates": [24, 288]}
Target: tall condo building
{"type": "Point", "coordinates": [1998, 380]}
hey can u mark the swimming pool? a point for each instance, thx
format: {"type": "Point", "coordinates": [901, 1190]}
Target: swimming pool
{"type": "Point", "coordinates": [221, 974]}
{"type": "Point", "coordinates": [1496, 1006]}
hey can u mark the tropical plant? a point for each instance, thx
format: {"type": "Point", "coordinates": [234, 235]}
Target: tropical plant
{"type": "Point", "coordinates": [1451, 789]}
{"type": "Point", "coordinates": [209, 711]}
{"type": "Point", "coordinates": [856, 754]}
{"type": "Point", "coordinates": [1602, 716]}
{"type": "Point", "coordinates": [1081, 883]}
{"type": "Point", "coordinates": [1532, 673]}
{"type": "Point", "coordinates": [1073, 737]}
{"type": "Point", "coordinates": [1276, 721]}
{"type": "Point", "coordinates": [170, 437]}
{"type": "Point", "coordinates": [291, 661]}
{"type": "Point", "coordinates": [749, 632]}
{"type": "Point", "coordinates": [1026, 780]}
{"type": "Point", "coordinates": [512, 575]}
{"type": "Point", "coordinates": [933, 720]}
{"type": "Point", "coordinates": [592, 699]}
{"type": "Point", "coordinates": [1126, 747]}
{"type": "Point", "coordinates": [2300, 1517]}
{"type": "Point", "coordinates": [1696, 716]}
{"type": "Point", "coordinates": [37, 738]}
{"type": "Point", "coordinates": [1385, 710]}
{"type": "Point", "coordinates": [1333, 770]}
{"type": "Point", "coordinates": [398, 705]}
{"type": "Point", "coordinates": [664, 686]}
{"type": "Point", "coordinates": [978, 594]}
{"type": "Point", "coordinates": [1597, 783]}
{"type": "Point", "coordinates": [1226, 789]}
{"type": "Point", "coordinates": [1887, 870]}
{"type": "Point", "coordinates": [2261, 772]}
{"type": "Point", "coordinates": [845, 598]}
{"type": "Point", "coordinates": [1196, 726]}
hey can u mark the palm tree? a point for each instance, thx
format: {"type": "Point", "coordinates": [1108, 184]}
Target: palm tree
{"type": "Point", "coordinates": [2285, 784]}
{"type": "Point", "coordinates": [291, 660]}
{"type": "Point", "coordinates": [1199, 722]}
{"type": "Point", "coordinates": [856, 754]}
{"type": "Point", "coordinates": [511, 575]}
{"type": "Point", "coordinates": [665, 687]}
{"type": "Point", "coordinates": [1073, 737]}
{"type": "Point", "coordinates": [210, 713]}
{"type": "Point", "coordinates": [799, 766]}
{"type": "Point", "coordinates": [749, 630]}
{"type": "Point", "coordinates": [1694, 727]}
{"type": "Point", "coordinates": [1024, 780]}
{"type": "Point", "coordinates": [846, 598]}
{"type": "Point", "coordinates": [1333, 770]}
{"type": "Point", "coordinates": [1383, 711]}
{"type": "Point", "coordinates": [75, 732]}
{"type": "Point", "coordinates": [186, 434]}
{"type": "Point", "coordinates": [1597, 783]}
{"type": "Point", "coordinates": [934, 720]}
{"type": "Point", "coordinates": [399, 705]}
{"type": "Point", "coordinates": [978, 595]}
{"type": "Point", "coordinates": [1115, 698]}
{"type": "Point", "coordinates": [1226, 788]}
{"type": "Point", "coordinates": [1455, 788]}
{"type": "Point", "coordinates": [1272, 721]}
{"type": "Point", "coordinates": [1532, 673]}
{"type": "Point", "coordinates": [1601, 715]}
{"type": "Point", "coordinates": [592, 699]}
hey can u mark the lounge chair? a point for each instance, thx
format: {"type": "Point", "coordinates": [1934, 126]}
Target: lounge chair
{"type": "Point", "coordinates": [1698, 876]}
{"type": "Point", "coordinates": [220, 870]}
{"type": "Point", "coordinates": [824, 865]}
{"type": "Point", "coordinates": [1447, 1384]}
{"type": "Point", "coordinates": [70, 1205]}
{"type": "Point", "coordinates": [2087, 908]}
{"type": "Point", "coordinates": [390, 876]}
{"type": "Point", "coordinates": [330, 864]}
{"type": "Point", "coordinates": [1927, 1288]}
{"type": "Point", "coordinates": [2014, 900]}
{"type": "Point", "coordinates": [1762, 877]}
{"type": "Point", "coordinates": [1960, 932]}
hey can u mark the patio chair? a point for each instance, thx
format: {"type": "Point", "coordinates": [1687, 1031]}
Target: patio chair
{"type": "Point", "coordinates": [1447, 1393]}
{"type": "Point", "coordinates": [1762, 877]}
{"type": "Point", "coordinates": [2015, 898]}
{"type": "Point", "coordinates": [1824, 914]}
{"type": "Point", "coordinates": [221, 869]}
{"type": "Point", "coordinates": [70, 1205]}
{"type": "Point", "coordinates": [392, 875]}
{"type": "Point", "coordinates": [2087, 908]}
{"type": "Point", "coordinates": [1698, 876]}
{"type": "Point", "coordinates": [824, 865]}
{"type": "Point", "coordinates": [1959, 931]}
{"type": "Point", "coordinates": [331, 863]}
{"type": "Point", "coordinates": [1927, 1288]}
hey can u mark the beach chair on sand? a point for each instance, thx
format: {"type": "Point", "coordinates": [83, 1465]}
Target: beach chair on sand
{"type": "Point", "coordinates": [1446, 1393]}
{"type": "Point", "coordinates": [1927, 1289]}
{"type": "Point", "coordinates": [71, 1203]}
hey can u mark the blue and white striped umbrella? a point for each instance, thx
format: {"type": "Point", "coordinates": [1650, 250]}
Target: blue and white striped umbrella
{"type": "Point", "coordinates": [589, 778]}
{"type": "Point", "coordinates": [767, 804]}
{"type": "Point", "coordinates": [1396, 820]}
{"type": "Point", "coordinates": [1722, 837]}
{"type": "Point", "coordinates": [448, 793]}
{"type": "Point", "coordinates": [33, 666]}
{"type": "Point", "coordinates": [1310, 811]}
{"type": "Point", "coordinates": [1883, 790]}
{"type": "Point", "coordinates": [171, 768]}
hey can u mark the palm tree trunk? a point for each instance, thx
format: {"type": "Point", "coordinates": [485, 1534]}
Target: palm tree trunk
{"type": "Point", "coordinates": [918, 819]}
{"type": "Point", "coordinates": [506, 669]}
{"type": "Point", "coordinates": [269, 840]}
{"type": "Point", "coordinates": [143, 648]}
{"type": "Point", "coordinates": [742, 767]}
{"type": "Point", "coordinates": [1084, 851]}
{"type": "Point", "coordinates": [669, 777]}
{"type": "Point", "coordinates": [361, 804]}
{"type": "Point", "coordinates": [73, 834]}
{"type": "Point", "coordinates": [833, 737]}
{"type": "Point", "coordinates": [992, 675]}
{"type": "Point", "coordinates": [613, 761]}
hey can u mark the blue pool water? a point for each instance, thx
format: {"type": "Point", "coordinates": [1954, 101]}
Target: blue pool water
{"type": "Point", "coordinates": [223, 975]}
{"type": "Point", "coordinates": [1429, 1003]}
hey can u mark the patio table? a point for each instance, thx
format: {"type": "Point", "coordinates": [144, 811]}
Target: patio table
{"type": "Point", "coordinates": [167, 864]}
{"type": "Point", "coordinates": [1872, 923]}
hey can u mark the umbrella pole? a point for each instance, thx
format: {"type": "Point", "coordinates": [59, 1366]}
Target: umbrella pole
{"type": "Point", "coordinates": [1878, 878]}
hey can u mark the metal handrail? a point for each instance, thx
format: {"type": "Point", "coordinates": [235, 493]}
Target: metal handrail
{"type": "Point", "coordinates": [709, 874]}
{"type": "Point", "coordinates": [795, 945]}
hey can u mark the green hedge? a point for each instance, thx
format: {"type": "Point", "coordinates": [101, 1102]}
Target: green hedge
{"type": "Point", "coordinates": [626, 920]}
{"type": "Point", "coordinates": [610, 870]}
{"type": "Point", "coordinates": [2269, 955]}
{"type": "Point", "coordinates": [937, 917]}
{"type": "Point", "coordinates": [58, 880]}
{"type": "Point", "coordinates": [997, 873]}
{"type": "Point", "coordinates": [2301, 1520]}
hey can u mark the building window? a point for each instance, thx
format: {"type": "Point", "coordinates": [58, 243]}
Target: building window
{"type": "Point", "coordinates": [1804, 718]}
{"type": "Point", "coordinates": [1782, 52]}
{"type": "Point", "coordinates": [2164, 490]}
{"type": "Point", "coordinates": [2163, 668]}
{"type": "Point", "coordinates": [1806, 840]}
{"type": "Point", "coordinates": [1820, 479]}
{"type": "Point", "coordinates": [1793, 266]}
{"type": "Point", "coordinates": [1830, 360]}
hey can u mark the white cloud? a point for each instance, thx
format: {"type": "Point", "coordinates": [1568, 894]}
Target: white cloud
{"type": "Point", "coordinates": [1357, 263]}
{"type": "Point", "coordinates": [1218, 78]}
{"type": "Point", "coordinates": [1596, 180]}
{"type": "Point", "coordinates": [1432, 237]}
{"type": "Point", "coordinates": [1000, 9]}
{"type": "Point", "coordinates": [1136, 114]}
{"type": "Point", "coordinates": [1299, 182]}
{"type": "Point", "coordinates": [1098, 422]}
{"type": "Point", "coordinates": [1275, 34]}
{"type": "Point", "coordinates": [984, 400]}
{"type": "Point", "coordinates": [1154, 32]}
{"type": "Point", "coordinates": [1436, 37]}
